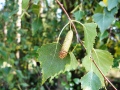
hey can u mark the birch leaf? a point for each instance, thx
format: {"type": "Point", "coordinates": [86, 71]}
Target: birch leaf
{"type": "Point", "coordinates": [50, 62]}
{"type": "Point", "coordinates": [73, 63]}
{"type": "Point", "coordinates": [90, 34]}
{"type": "Point", "coordinates": [90, 81]}
{"type": "Point", "coordinates": [112, 4]}
{"type": "Point", "coordinates": [104, 61]}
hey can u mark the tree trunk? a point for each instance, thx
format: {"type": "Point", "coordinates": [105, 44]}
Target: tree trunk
{"type": "Point", "coordinates": [18, 26]}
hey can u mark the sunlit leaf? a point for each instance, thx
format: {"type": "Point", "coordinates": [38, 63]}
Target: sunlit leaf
{"type": "Point", "coordinates": [90, 34]}
{"type": "Point", "coordinates": [104, 61]}
{"type": "Point", "coordinates": [50, 62]}
{"type": "Point", "coordinates": [73, 63]}
{"type": "Point", "coordinates": [90, 81]}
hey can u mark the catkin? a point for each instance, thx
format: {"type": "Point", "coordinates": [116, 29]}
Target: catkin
{"type": "Point", "coordinates": [66, 44]}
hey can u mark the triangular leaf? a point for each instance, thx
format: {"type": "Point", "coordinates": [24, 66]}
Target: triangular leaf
{"type": "Point", "coordinates": [78, 15]}
{"type": "Point", "coordinates": [90, 34]}
{"type": "Point", "coordinates": [50, 62]}
{"type": "Point", "coordinates": [103, 59]}
{"type": "Point", "coordinates": [104, 20]}
{"type": "Point", "coordinates": [112, 4]}
{"type": "Point", "coordinates": [90, 81]}
{"type": "Point", "coordinates": [73, 63]}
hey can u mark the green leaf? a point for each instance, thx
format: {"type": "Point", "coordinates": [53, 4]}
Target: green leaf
{"type": "Point", "coordinates": [50, 62]}
{"type": "Point", "coordinates": [36, 25]}
{"type": "Point", "coordinates": [36, 9]}
{"type": "Point", "coordinates": [90, 34]}
{"type": "Point", "coordinates": [98, 9]}
{"type": "Point", "coordinates": [25, 4]}
{"type": "Point", "coordinates": [78, 15]}
{"type": "Point", "coordinates": [24, 84]}
{"type": "Point", "coordinates": [19, 74]}
{"type": "Point", "coordinates": [8, 15]}
{"type": "Point", "coordinates": [116, 62]}
{"type": "Point", "coordinates": [103, 35]}
{"type": "Point", "coordinates": [3, 53]}
{"type": "Point", "coordinates": [104, 20]}
{"type": "Point", "coordinates": [76, 80]}
{"type": "Point", "coordinates": [73, 63]}
{"type": "Point", "coordinates": [104, 61]}
{"type": "Point", "coordinates": [9, 77]}
{"type": "Point", "coordinates": [68, 76]}
{"type": "Point", "coordinates": [90, 81]}
{"type": "Point", "coordinates": [1, 61]}
{"type": "Point", "coordinates": [112, 4]}
{"type": "Point", "coordinates": [7, 70]}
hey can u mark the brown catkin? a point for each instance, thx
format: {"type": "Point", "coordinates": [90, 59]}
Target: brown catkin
{"type": "Point", "coordinates": [66, 44]}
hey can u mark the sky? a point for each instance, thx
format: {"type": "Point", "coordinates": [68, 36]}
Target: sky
{"type": "Point", "coordinates": [2, 4]}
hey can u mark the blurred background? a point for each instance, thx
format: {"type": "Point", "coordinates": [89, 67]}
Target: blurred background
{"type": "Point", "coordinates": [27, 25]}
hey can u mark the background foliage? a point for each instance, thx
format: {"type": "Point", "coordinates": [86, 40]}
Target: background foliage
{"type": "Point", "coordinates": [42, 22]}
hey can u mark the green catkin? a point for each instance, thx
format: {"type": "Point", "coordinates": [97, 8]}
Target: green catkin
{"type": "Point", "coordinates": [66, 44]}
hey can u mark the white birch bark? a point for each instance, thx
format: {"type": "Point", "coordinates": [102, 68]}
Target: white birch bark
{"type": "Point", "coordinates": [5, 31]}
{"type": "Point", "coordinates": [18, 25]}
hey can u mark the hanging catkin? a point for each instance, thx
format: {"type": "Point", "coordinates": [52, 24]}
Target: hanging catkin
{"type": "Point", "coordinates": [66, 44]}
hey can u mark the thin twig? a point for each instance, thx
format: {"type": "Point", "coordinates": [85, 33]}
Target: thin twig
{"type": "Point", "coordinates": [47, 87]}
{"type": "Point", "coordinates": [110, 32]}
{"type": "Point", "coordinates": [77, 35]}
{"type": "Point", "coordinates": [78, 39]}
{"type": "Point", "coordinates": [102, 73]}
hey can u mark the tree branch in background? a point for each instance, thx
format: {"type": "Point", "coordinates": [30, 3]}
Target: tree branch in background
{"type": "Point", "coordinates": [78, 39]}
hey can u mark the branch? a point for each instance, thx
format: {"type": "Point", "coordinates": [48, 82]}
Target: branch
{"type": "Point", "coordinates": [77, 35]}
{"type": "Point", "coordinates": [78, 39]}
{"type": "Point", "coordinates": [103, 74]}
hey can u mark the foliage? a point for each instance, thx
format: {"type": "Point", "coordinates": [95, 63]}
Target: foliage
{"type": "Point", "coordinates": [92, 84]}
{"type": "Point", "coordinates": [43, 29]}
{"type": "Point", "coordinates": [100, 58]}
{"type": "Point", "coordinates": [49, 63]}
